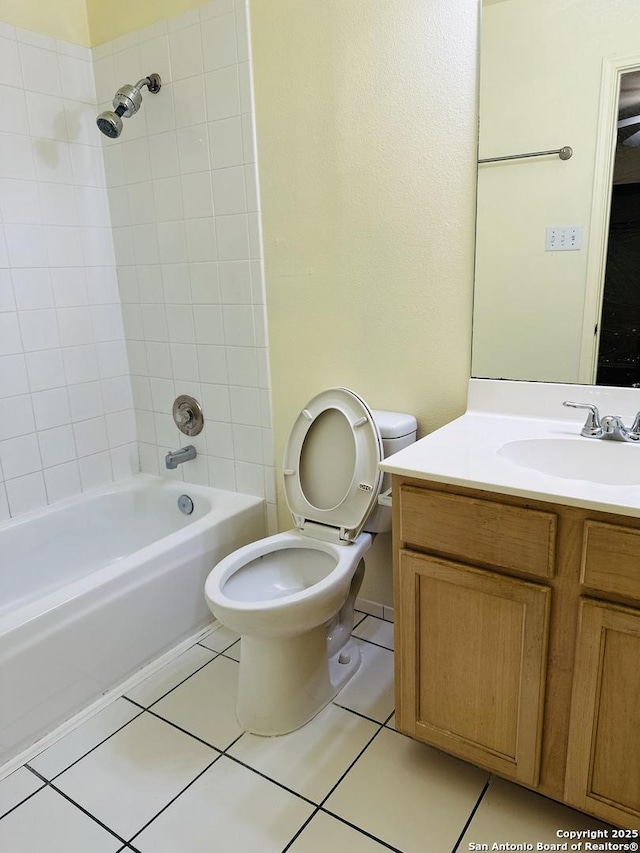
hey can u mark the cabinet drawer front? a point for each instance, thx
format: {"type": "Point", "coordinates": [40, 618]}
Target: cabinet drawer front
{"type": "Point", "coordinates": [611, 558]}
{"type": "Point", "coordinates": [479, 531]}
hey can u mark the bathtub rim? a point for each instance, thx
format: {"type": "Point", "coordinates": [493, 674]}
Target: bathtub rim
{"type": "Point", "coordinates": [237, 502]}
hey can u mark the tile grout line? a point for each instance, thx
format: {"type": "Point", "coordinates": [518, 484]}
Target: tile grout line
{"type": "Point", "coordinates": [361, 831]}
{"type": "Point", "coordinates": [88, 752]}
{"type": "Point", "coordinates": [173, 799]}
{"type": "Point", "coordinates": [471, 816]}
{"type": "Point", "coordinates": [53, 787]}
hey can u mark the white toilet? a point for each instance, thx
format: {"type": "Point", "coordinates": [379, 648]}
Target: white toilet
{"type": "Point", "coordinates": [291, 596]}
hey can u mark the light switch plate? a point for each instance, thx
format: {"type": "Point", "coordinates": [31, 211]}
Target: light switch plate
{"type": "Point", "coordinates": [563, 238]}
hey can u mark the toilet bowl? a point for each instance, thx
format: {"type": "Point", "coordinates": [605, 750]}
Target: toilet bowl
{"type": "Point", "coordinates": [291, 596]}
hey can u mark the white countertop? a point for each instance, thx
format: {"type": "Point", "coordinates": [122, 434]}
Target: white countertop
{"type": "Point", "coordinates": [465, 451]}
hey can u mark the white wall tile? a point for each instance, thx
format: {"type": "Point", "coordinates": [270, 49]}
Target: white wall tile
{"type": "Point", "coordinates": [57, 445]}
{"type": "Point", "coordinates": [168, 199]}
{"type": "Point", "coordinates": [209, 325]}
{"type": "Point", "coordinates": [13, 375]}
{"type": "Point", "coordinates": [7, 299]}
{"type": "Point", "coordinates": [46, 115]}
{"type": "Point", "coordinates": [95, 470]}
{"type": "Point", "coordinates": [62, 481]}
{"type": "Point", "coordinates": [205, 283]}
{"type": "Point", "coordinates": [16, 157]}
{"type": "Point", "coordinates": [201, 240]}
{"type": "Point", "coordinates": [40, 70]}
{"type": "Point", "coordinates": [90, 436]}
{"type": "Point", "coordinates": [185, 49]}
{"type": "Point", "coordinates": [193, 148]}
{"type": "Point", "coordinates": [85, 401]}
{"type": "Point", "coordinates": [45, 369]}
{"type": "Point", "coordinates": [222, 92]}
{"type": "Point", "coordinates": [20, 202]}
{"type": "Point", "coordinates": [197, 196]}
{"type": "Point", "coordinates": [10, 340]}
{"type": "Point", "coordinates": [76, 79]}
{"type": "Point", "coordinates": [20, 456]}
{"type": "Point", "coordinates": [80, 364]}
{"type": "Point", "coordinates": [10, 68]}
{"type": "Point", "coordinates": [13, 117]}
{"type": "Point", "coordinates": [26, 245]}
{"type": "Point", "coordinates": [226, 142]}
{"type": "Point", "coordinates": [58, 204]}
{"type": "Point", "coordinates": [233, 237]}
{"type": "Point", "coordinates": [189, 101]}
{"type": "Point", "coordinates": [26, 493]}
{"type": "Point", "coordinates": [16, 416]}
{"type": "Point", "coordinates": [219, 42]}
{"type": "Point", "coordinates": [39, 330]}
{"type": "Point", "coordinates": [51, 408]}
{"type": "Point", "coordinates": [229, 193]}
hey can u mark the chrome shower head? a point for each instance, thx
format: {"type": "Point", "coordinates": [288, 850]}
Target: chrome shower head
{"type": "Point", "coordinates": [127, 102]}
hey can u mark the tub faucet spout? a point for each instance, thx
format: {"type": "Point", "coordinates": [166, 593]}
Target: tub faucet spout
{"type": "Point", "coordinates": [177, 457]}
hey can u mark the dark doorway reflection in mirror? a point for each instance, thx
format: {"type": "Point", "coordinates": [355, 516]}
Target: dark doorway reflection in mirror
{"type": "Point", "coordinates": [619, 333]}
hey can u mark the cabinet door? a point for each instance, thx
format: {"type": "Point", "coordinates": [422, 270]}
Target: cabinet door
{"type": "Point", "coordinates": [472, 663]}
{"type": "Point", "coordinates": [603, 759]}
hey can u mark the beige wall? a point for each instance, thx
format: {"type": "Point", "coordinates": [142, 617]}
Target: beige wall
{"type": "Point", "coordinates": [111, 18]}
{"type": "Point", "coordinates": [541, 70]}
{"type": "Point", "coordinates": [366, 122]}
{"type": "Point", "coordinates": [62, 19]}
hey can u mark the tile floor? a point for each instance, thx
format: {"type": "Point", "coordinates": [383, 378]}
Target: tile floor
{"type": "Point", "coordinates": [166, 769]}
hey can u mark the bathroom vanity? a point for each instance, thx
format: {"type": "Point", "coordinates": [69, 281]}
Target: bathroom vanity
{"type": "Point", "coordinates": [517, 603]}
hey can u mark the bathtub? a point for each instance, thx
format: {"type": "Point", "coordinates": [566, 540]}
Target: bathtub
{"type": "Point", "coordinates": [95, 587]}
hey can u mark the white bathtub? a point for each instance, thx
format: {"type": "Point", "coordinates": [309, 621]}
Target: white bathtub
{"type": "Point", "coordinates": [93, 588]}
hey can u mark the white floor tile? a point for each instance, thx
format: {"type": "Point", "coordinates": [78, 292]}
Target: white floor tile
{"type": "Point", "coordinates": [512, 814]}
{"type": "Point", "coordinates": [165, 679]}
{"type": "Point", "coordinates": [131, 776]}
{"type": "Point", "coordinates": [16, 788]}
{"type": "Point", "coordinates": [234, 651]}
{"type": "Point", "coordinates": [370, 691]}
{"type": "Point", "coordinates": [220, 639]}
{"type": "Point", "coordinates": [376, 631]}
{"type": "Point", "coordinates": [47, 823]}
{"type": "Point", "coordinates": [230, 809]}
{"type": "Point", "coordinates": [324, 833]}
{"type": "Point", "coordinates": [310, 760]}
{"type": "Point", "coordinates": [408, 795]}
{"type": "Point", "coordinates": [78, 742]}
{"type": "Point", "coordinates": [205, 705]}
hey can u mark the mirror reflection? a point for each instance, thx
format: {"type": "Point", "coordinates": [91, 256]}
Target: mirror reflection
{"type": "Point", "coordinates": [552, 75]}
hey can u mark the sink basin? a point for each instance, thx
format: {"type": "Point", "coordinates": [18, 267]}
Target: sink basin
{"type": "Point", "coordinates": [612, 463]}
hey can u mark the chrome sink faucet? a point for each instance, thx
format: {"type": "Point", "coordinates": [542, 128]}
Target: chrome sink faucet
{"type": "Point", "coordinates": [609, 426]}
{"type": "Point", "coordinates": [177, 457]}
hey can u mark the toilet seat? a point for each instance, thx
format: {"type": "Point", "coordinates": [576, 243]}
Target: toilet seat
{"type": "Point", "coordinates": [331, 466]}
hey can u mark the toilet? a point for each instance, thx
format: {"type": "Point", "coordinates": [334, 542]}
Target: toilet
{"type": "Point", "coordinates": [291, 596]}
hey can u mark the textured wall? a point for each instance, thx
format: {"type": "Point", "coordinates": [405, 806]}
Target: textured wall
{"type": "Point", "coordinates": [366, 122]}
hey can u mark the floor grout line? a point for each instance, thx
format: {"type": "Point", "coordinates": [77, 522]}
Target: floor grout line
{"type": "Point", "coordinates": [471, 816]}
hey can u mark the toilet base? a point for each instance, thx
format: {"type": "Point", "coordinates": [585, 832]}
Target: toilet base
{"type": "Point", "coordinates": [284, 683]}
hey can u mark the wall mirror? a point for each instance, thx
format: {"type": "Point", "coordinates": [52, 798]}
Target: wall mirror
{"type": "Point", "coordinates": [553, 75]}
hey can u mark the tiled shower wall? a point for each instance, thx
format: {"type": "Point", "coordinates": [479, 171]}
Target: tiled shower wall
{"type": "Point", "coordinates": [182, 184]}
{"type": "Point", "coordinates": [66, 417]}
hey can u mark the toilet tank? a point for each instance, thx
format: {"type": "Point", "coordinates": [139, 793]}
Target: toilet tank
{"type": "Point", "coordinates": [397, 430]}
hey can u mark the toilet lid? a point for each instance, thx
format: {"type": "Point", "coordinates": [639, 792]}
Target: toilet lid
{"type": "Point", "coordinates": [331, 474]}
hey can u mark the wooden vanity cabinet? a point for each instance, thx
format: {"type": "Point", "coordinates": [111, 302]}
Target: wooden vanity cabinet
{"type": "Point", "coordinates": [517, 641]}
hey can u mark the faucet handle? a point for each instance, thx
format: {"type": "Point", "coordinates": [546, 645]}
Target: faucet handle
{"type": "Point", "coordinates": [592, 427]}
{"type": "Point", "coordinates": [635, 426]}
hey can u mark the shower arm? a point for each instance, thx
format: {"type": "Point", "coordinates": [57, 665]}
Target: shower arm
{"type": "Point", "coordinates": [152, 82]}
